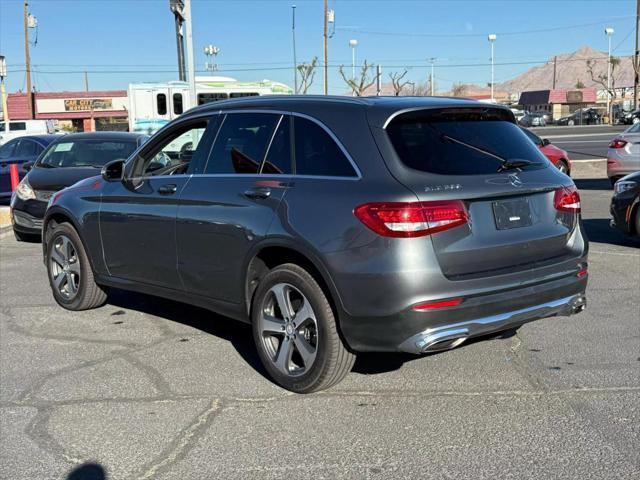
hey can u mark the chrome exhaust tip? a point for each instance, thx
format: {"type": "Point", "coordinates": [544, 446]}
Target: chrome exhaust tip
{"type": "Point", "coordinates": [578, 305]}
{"type": "Point", "coordinates": [441, 341]}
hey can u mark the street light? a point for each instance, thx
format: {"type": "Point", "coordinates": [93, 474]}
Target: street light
{"type": "Point", "coordinates": [609, 31]}
{"type": "Point", "coordinates": [353, 44]}
{"type": "Point", "coordinates": [295, 62]}
{"type": "Point", "coordinates": [432, 60]}
{"type": "Point", "coordinates": [492, 38]}
{"type": "Point", "coordinates": [211, 51]}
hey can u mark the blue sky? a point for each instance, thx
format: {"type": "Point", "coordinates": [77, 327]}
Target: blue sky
{"type": "Point", "coordinates": [123, 41]}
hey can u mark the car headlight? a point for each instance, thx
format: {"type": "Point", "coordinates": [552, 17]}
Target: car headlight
{"type": "Point", "coordinates": [623, 186]}
{"type": "Point", "coordinates": [24, 191]}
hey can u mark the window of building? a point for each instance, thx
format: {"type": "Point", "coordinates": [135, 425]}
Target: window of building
{"type": "Point", "coordinates": [161, 101]}
{"type": "Point", "coordinates": [242, 143]}
{"type": "Point", "coordinates": [177, 103]}
{"type": "Point", "coordinates": [316, 153]}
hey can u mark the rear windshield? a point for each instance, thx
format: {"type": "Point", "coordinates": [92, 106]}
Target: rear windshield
{"type": "Point", "coordinates": [86, 153]}
{"type": "Point", "coordinates": [442, 141]}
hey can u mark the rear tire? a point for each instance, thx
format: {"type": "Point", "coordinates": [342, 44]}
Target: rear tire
{"type": "Point", "coordinates": [69, 271]}
{"type": "Point", "coordinates": [571, 123]}
{"type": "Point", "coordinates": [300, 348]}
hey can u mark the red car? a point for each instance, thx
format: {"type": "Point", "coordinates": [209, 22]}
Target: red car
{"type": "Point", "coordinates": [556, 155]}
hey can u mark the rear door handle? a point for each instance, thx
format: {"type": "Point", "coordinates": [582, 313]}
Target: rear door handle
{"type": "Point", "coordinates": [168, 189]}
{"type": "Point", "coordinates": [258, 192]}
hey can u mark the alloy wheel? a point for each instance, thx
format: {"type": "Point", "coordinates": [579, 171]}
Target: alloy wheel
{"type": "Point", "coordinates": [64, 267]}
{"type": "Point", "coordinates": [289, 329]}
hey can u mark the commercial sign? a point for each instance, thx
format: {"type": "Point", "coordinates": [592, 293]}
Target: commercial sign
{"type": "Point", "coordinates": [574, 96]}
{"type": "Point", "coordinates": [86, 104]}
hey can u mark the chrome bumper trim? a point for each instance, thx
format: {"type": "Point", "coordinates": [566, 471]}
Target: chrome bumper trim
{"type": "Point", "coordinates": [424, 341]}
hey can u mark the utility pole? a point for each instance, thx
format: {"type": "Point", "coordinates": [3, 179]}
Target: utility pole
{"type": "Point", "coordinates": [177, 8]}
{"type": "Point", "coordinates": [326, 47]}
{"type": "Point", "coordinates": [3, 92]}
{"type": "Point", "coordinates": [637, 58]}
{"type": "Point", "coordinates": [555, 60]}
{"type": "Point", "coordinates": [295, 61]}
{"type": "Point", "coordinates": [27, 59]}
{"type": "Point", "coordinates": [432, 60]}
{"type": "Point", "coordinates": [378, 80]}
{"type": "Point", "coordinates": [86, 81]}
{"type": "Point", "coordinates": [192, 72]}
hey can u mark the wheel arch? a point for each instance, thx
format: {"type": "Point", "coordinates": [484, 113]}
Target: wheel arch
{"type": "Point", "coordinates": [270, 254]}
{"type": "Point", "coordinates": [61, 215]}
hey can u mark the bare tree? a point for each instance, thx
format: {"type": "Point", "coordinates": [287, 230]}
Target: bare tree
{"type": "Point", "coordinates": [458, 89]}
{"type": "Point", "coordinates": [422, 90]}
{"type": "Point", "coordinates": [601, 78]}
{"type": "Point", "coordinates": [307, 72]}
{"type": "Point", "coordinates": [360, 85]}
{"type": "Point", "coordinates": [397, 83]}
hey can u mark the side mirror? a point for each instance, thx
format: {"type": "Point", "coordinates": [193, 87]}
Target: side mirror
{"type": "Point", "coordinates": [545, 142]}
{"type": "Point", "coordinates": [113, 171]}
{"type": "Point", "coordinates": [27, 166]}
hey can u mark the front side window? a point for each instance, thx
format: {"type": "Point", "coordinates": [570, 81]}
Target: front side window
{"type": "Point", "coordinates": [174, 153]}
{"type": "Point", "coordinates": [241, 143]}
{"type": "Point", "coordinates": [316, 153]}
{"type": "Point", "coordinates": [434, 141]}
{"type": "Point", "coordinates": [86, 153]}
{"type": "Point", "coordinates": [161, 101]}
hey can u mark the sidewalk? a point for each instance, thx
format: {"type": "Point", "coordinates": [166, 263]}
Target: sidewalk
{"type": "Point", "coordinates": [5, 221]}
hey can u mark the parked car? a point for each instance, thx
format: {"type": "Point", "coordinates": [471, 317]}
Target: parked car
{"type": "Point", "coordinates": [623, 155]}
{"type": "Point", "coordinates": [19, 128]}
{"type": "Point", "coordinates": [625, 204]}
{"type": "Point", "coordinates": [546, 116]}
{"type": "Point", "coordinates": [532, 120]}
{"type": "Point", "coordinates": [21, 151]}
{"type": "Point", "coordinates": [586, 116]}
{"type": "Point", "coordinates": [65, 161]}
{"type": "Point", "coordinates": [632, 117]}
{"type": "Point", "coordinates": [557, 156]}
{"type": "Point", "coordinates": [332, 225]}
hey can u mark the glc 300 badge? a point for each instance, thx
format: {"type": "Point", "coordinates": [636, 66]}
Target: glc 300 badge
{"type": "Point", "coordinates": [443, 188]}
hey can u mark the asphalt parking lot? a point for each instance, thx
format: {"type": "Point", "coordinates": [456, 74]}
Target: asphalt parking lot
{"type": "Point", "coordinates": [147, 388]}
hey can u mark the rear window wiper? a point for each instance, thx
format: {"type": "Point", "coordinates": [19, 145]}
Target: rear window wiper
{"type": "Point", "coordinates": [515, 163]}
{"type": "Point", "coordinates": [507, 164]}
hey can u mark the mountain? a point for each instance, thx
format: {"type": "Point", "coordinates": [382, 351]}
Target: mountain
{"type": "Point", "coordinates": [570, 68]}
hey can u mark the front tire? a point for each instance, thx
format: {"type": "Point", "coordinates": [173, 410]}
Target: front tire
{"type": "Point", "coordinates": [69, 271]}
{"type": "Point", "coordinates": [571, 123]}
{"type": "Point", "coordinates": [295, 332]}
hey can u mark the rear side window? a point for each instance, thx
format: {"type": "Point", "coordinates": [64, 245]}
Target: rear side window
{"type": "Point", "coordinates": [242, 143]}
{"type": "Point", "coordinates": [432, 141]}
{"type": "Point", "coordinates": [27, 148]}
{"type": "Point", "coordinates": [278, 159]}
{"type": "Point", "coordinates": [316, 153]}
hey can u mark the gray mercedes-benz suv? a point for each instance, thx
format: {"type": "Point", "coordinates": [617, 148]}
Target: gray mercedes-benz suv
{"type": "Point", "coordinates": [333, 225]}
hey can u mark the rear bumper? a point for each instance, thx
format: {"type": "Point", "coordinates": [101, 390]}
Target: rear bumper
{"type": "Point", "coordinates": [417, 332]}
{"type": "Point", "coordinates": [454, 334]}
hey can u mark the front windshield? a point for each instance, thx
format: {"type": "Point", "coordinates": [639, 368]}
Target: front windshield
{"type": "Point", "coordinates": [86, 153]}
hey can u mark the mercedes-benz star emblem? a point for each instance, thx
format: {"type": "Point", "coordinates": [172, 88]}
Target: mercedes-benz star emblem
{"type": "Point", "coordinates": [515, 180]}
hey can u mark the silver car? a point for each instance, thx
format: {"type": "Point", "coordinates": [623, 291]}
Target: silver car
{"type": "Point", "coordinates": [623, 156]}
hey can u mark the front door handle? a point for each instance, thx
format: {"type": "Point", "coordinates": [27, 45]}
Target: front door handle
{"type": "Point", "coordinates": [168, 189]}
{"type": "Point", "coordinates": [258, 192]}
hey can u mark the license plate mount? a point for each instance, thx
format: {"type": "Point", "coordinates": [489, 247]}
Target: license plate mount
{"type": "Point", "coordinates": [512, 213]}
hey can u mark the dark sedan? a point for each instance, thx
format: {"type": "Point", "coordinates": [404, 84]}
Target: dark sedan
{"type": "Point", "coordinates": [587, 116]}
{"type": "Point", "coordinates": [67, 160]}
{"type": "Point", "coordinates": [625, 204]}
{"type": "Point", "coordinates": [20, 151]}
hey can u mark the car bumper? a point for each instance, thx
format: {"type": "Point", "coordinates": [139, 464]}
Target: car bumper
{"type": "Point", "coordinates": [27, 215]}
{"type": "Point", "coordinates": [619, 165]}
{"type": "Point", "coordinates": [427, 331]}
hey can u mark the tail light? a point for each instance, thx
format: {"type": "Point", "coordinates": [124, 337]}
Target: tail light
{"type": "Point", "coordinates": [617, 143]}
{"type": "Point", "coordinates": [421, 307]}
{"type": "Point", "coordinates": [412, 219]}
{"type": "Point", "coordinates": [567, 199]}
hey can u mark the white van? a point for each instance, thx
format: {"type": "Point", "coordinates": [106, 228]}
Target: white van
{"type": "Point", "coordinates": [19, 128]}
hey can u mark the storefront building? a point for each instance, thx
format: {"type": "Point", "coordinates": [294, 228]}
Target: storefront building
{"type": "Point", "coordinates": [558, 102]}
{"type": "Point", "coordinates": [74, 111]}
